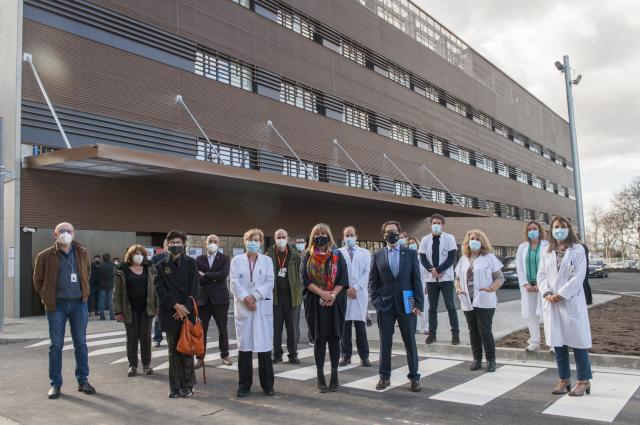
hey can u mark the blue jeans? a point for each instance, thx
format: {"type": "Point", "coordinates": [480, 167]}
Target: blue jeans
{"type": "Point", "coordinates": [157, 330]}
{"type": "Point", "coordinates": [76, 313]}
{"type": "Point", "coordinates": [106, 295]}
{"type": "Point", "coordinates": [583, 366]}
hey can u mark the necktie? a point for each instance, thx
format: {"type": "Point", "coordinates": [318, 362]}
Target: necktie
{"type": "Point", "coordinates": [350, 253]}
{"type": "Point", "coordinates": [393, 261]}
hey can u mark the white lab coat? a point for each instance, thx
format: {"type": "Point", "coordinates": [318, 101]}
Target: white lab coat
{"type": "Point", "coordinates": [254, 329]}
{"type": "Point", "coordinates": [521, 268]}
{"type": "Point", "coordinates": [447, 243]}
{"type": "Point", "coordinates": [483, 267]}
{"type": "Point", "coordinates": [358, 269]}
{"type": "Point", "coordinates": [565, 322]}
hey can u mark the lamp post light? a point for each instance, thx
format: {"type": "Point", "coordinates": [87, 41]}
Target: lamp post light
{"type": "Point", "coordinates": [569, 83]}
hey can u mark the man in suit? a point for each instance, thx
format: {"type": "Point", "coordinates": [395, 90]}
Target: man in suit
{"type": "Point", "coordinates": [213, 270]}
{"type": "Point", "coordinates": [395, 269]}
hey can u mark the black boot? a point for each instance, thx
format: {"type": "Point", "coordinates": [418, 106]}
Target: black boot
{"type": "Point", "coordinates": [476, 364]}
{"type": "Point", "coordinates": [322, 383]}
{"type": "Point", "coordinates": [333, 384]}
{"type": "Point", "coordinates": [491, 365]}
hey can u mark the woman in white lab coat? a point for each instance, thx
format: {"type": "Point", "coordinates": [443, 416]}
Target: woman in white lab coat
{"type": "Point", "coordinates": [478, 277]}
{"type": "Point", "coordinates": [566, 319]}
{"type": "Point", "coordinates": [358, 265]}
{"type": "Point", "coordinates": [252, 281]}
{"type": "Point", "coordinates": [527, 261]}
{"type": "Point", "coordinates": [423, 319]}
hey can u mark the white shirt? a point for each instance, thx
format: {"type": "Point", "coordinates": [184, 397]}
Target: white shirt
{"type": "Point", "coordinates": [483, 268]}
{"type": "Point", "coordinates": [447, 243]}
{"type": "Point", "coordinates": [211, 258]}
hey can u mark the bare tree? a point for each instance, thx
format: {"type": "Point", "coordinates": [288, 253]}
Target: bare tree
{"type": "Point", "coordinates": [626, 205]}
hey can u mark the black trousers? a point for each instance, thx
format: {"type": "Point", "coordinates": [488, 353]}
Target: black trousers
{"type": "Point", "coordinates": [386, 325]}
{"type": "Point", "coordinates": [219, 314]}
{"type": "Point", "coordinates": [434, 289]}
{"type": "Point", "coordinates": [361, 339]}
{"type": "Point", "coordinates": [181, 372]}
{"type": "Point", "coordinates": [480, 321]}
{"type": "Point", "coordinates": [139, 332]}
{"type": "Point", "coordinates": [245, 370]}
{"type": "Point", "coordinates": [320, 351]}
{"type": "Point", "coordinates": [285, 314]}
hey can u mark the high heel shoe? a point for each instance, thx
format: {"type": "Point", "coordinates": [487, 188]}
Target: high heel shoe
{"type": "Point", "coordinates": [562, 387]}
{"type": "Point", "coordinates": [580, 389]}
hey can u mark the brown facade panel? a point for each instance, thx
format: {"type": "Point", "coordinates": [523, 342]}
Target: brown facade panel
{"type": "Point", "coordinates": [137, 89]}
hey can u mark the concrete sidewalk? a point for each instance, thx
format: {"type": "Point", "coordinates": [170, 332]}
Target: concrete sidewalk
{"type": "Point", "coordinates": [37, 327]}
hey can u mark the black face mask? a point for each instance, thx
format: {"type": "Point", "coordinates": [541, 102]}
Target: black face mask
{"type": "Point", "coordinates": [391, 237]}
{"type": "Point", "coordinates": [97, 262]}
{"type": "Point", "coordinates": [176, 250]}
{"type": "Point", "coordinates": [321, 240]}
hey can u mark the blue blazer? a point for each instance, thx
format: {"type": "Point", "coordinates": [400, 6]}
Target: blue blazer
{"type": "Point", "coordinates": [385, 290]}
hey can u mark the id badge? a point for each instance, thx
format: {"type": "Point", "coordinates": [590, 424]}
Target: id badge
{"type": "Point", "coordinates": [74, 277]}
{"type": "Point", "coordinates": [282, 272]}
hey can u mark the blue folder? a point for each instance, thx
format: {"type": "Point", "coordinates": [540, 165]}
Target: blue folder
{"type": "Point", "coordinates": [407, 297]}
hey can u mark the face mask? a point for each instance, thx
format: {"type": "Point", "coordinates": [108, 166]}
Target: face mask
{"type": "Point", "coordinates": [475, 245]}
{"type": "Point", "coordinates": [321, 240]}
{"type": "Point", "coordinates": [402, 242]}
{"type": "Point", "coordinates": [137, 259]}
{"type": "Point", "coordinates": [212, 248]}
{"type": "Point", "coordinates": [65, 238]}
{"type": "Point", "coordinates": [392, 238]}
{"type": "Point", "coordinates": [281, 243]}
{"type": "Point", "coordinates": [116, 262]}
{"type": "Point", "coordinates": [560, 234]}
{"type": "Point", "coordinates": [436, 229]}
{"type": "Point", "coordinates": [96, 262]}
{"type": "Point", "coordinates": [413, 246]}
{"type": "Point", "coordinates": [350, 242]}
{"type": "Point", "coordinates": [253, 246]}
{"type": "Point", "coordinates": [533, 234]}
{"type": "Point", "coordinates": [176, 250]}
{"type": "Point", "coordinates": [300, 246]}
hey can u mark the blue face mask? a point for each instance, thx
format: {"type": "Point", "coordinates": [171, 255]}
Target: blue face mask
{"type": "Point", "coordinates": [436, 229]}
{"type": "Point", "coordinates": [413, 246]}
{"type": "Point", "coordinates": [300, 246]}
{"type": "Point", "coordinates": [350, 242]}
{"type": "Point", "coordinates": [253, 246]}
{"type": "Point", "coordinates": [533, 234]}
{"type": "Point", "coordinates": [560, 234]}
{"type": "Point", "coordinates": [402, 241]}
{"type": "Point", "coordinates": [475, 245]}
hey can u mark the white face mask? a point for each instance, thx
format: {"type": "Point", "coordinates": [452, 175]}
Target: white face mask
{"type": "Point", "coordinates": [65, 238]}
{"type": "Point", "coordinates": [212, 248]}
{"type": "Point", "coordinates": [137, 259]}
{"type": "Point", "coordinates": [281, 243]}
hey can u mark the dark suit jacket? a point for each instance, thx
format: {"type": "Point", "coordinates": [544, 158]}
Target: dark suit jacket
{"type": "Point", "coordinates": [175, 283]}
{"type": "Point", "coordinates": [213, 285]}
{"type": "Point", "coordinates": [385, 290]}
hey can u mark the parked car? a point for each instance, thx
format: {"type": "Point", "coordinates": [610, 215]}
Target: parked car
{"type": "Point", "coordinates": [597, 268]}
{"type": "Point", "coordinates": [510, 273]}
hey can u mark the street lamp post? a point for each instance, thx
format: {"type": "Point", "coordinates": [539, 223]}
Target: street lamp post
{"type": "Point", "coordinates": [569, 83]}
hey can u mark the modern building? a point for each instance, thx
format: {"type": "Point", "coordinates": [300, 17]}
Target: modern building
{"type": "Point", "coordinates": [293, 112]}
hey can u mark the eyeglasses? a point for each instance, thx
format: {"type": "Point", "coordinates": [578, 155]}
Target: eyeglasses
{"type": "Point", "coordinates": [69, 231]}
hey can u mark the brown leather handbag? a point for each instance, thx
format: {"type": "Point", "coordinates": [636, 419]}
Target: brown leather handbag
{"type": "Point", "coordinates": [191, 341]}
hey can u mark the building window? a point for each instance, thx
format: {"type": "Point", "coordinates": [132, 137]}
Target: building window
{"type": "Point", "coordinates": [486, 164]}
{"type": "Point", "coordinates": [562, 191]}
{"type": "Point", "coordinates": [438, 146]}
{"type": "Point", "coordinates": [403, 189]}
{"type": "Point", "coordinates": [534, 147]}
{"type": "Point", "coordinates": [527, 214]}
{"type": "Point", "coordinates": [438, 196]}
{"type": "Point", "coordinates": [359, 180]}
{"type": "Point", "coordinates": [548, 186]}
{"type": "Point", "coordinates": [429, 92]}
{"type": "Point", "coordinates": [401, 134]}
{"type": "Point", "coordinates": [349, 51]}
{"type": "Point", "coordinates": [482, 119]}
{"type": "Point", "coordinates": [458, 108]}
{"type": "Point", "coordinates": [224, 71]}
{"type": "Point", "coordinates": [536, 182]}
{"type": "Point", "coordinates": [512, 212]}
{"type": "Point", "coordinates": [299, 97]}
{"type": "Point", "coordinates": [546, 154]}
{"type": "Point", "coordinates": [464, 156]}
{"type": "Point", "coordinates": [398, 76]}
{"type": "Point", "coordinates": [543, 217]}
{"type": "Point", "coordinates": [518, 141]}
{"type": "Point", "coordinates": [503, 169]}
{"type": "Point", "coordinates": [295, 23]}
{"type": "Point", "coordinates": [355, 117]}
{"type": "Point", "coordinates": [294, 168]}
{"type": "Point", "coordinates": [243, 3]}
{"type": "Point", "coordinates": [234, 156]}
{"type": "Point", "coordinates": [492, 207]}
{"type": "Point", "coordinates": [522, 176]}
{"type": "Point", "coordinates": [501, 130]}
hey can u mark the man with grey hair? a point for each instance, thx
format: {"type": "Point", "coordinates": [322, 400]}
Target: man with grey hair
{"type": "Point", "coordinates": [61, 278]}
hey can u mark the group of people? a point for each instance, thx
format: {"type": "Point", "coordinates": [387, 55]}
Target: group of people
{"type": "Point", "coordinates": [101, 285]}
{"type": "Point", "coordinates": [335, 285]}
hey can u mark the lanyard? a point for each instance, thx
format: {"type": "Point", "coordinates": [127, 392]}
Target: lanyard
{"type": "Point", "coordinates": [281, 263]}
{"type": "Point", "coordinates": [72, 262]}
{"type": "Point", "coordinates": [252, 266]}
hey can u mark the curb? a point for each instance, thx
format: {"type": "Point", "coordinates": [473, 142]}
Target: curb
{"type": "Point", "coordinates": [516, 354]}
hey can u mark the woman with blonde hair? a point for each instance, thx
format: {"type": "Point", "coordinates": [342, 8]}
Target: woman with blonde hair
{"type": "Point", "coordinates": [562, 269]}
{"type": "Point", "coordinates": [324, 276]}
{"type": "Point", "coordinates": [478, 277]}
{"type": "Point", "coordinates": [252, 281]}
{"type": "Point", "coordinates": [527, 261]}
{"type": "Point", "coordinates": [134, 303]}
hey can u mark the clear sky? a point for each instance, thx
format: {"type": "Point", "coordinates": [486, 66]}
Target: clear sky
{"type": "Point", "coordinates": [602, 38]}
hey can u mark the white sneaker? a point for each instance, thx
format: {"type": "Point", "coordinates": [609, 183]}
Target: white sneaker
{"type": "Point", "coordinates": [533, 348]}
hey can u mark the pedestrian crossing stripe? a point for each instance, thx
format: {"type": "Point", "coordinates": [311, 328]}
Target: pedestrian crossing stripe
{"type": "Point", "coordinates": [486, 387]}
{"type": "Point", "coordinates": [164, 353]}
{"type": "Point", "coordinates": [68, 338]}
{"type": "Point", "coordinates": [308, 372]}
{"type": "Point", "coordinates": [302, 354]}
